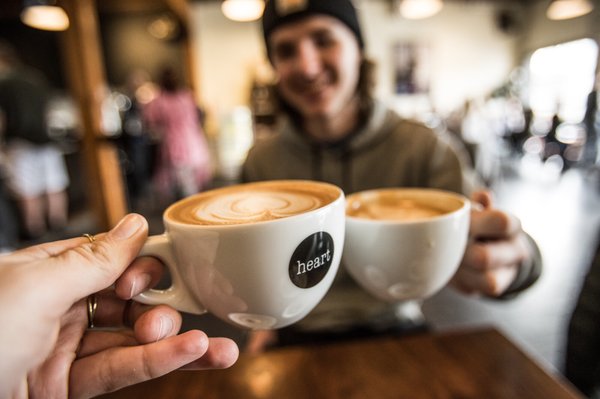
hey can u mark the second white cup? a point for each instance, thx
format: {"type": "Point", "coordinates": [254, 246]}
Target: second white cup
{"type": "Point", "coordinates": [405, 244]}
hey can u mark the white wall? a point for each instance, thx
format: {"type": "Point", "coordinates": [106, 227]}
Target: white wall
{"type": "Point", "coordinates": [227, 54]}
{"type": "Point", "coordinates": [469, 55]}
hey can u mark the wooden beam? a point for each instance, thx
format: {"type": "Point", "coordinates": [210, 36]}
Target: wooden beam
{"type": "Point", "coordinates": [86, 76]}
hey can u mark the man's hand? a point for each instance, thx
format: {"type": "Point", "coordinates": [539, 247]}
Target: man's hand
{"type": "Point", "coordinates": [497, 249]}
{"type": "Point", "coordinates": [47, 349]}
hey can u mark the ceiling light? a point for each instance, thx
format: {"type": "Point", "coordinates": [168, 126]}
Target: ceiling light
{"type": "Point", "coordinates": [44, 14]}
{"type": "Point", "coordinates": [419, 9]}
{"type": "Point", "coordinates": [243, 10]}
{"type": "Point", "coordinates": [566, 9]}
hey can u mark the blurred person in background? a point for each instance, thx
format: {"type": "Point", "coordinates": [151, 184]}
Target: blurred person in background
{"type": "Point", "coordinates": [552, 145]}
{"type": "Point", "coordinates": [336, 131]}
{"type": "Point", "coordinates": [184, 161]}
{"type": "Point", "coordinates": [9, 225]}
{"type": "Point", "coordinates": [517, 138]}
{"type": "Point", "coordinates": [135, 139]}
{"type": "Point", "coordinates": [37, 173]}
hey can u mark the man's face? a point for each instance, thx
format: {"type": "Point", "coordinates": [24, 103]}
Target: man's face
{"type": "Point", "coordinates": [317, 60]}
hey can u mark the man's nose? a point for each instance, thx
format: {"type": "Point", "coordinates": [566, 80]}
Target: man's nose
{"type": "Point", "coordinates": [309, 59]}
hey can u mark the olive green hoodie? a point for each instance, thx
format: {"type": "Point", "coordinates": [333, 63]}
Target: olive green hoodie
{"type": "Point", "coordinates": [387, 152]}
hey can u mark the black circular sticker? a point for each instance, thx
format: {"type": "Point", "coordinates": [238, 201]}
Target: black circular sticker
{"type": "Point", "coordinates": [311, 260]}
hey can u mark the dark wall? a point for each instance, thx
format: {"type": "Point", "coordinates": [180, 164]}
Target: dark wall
{"type": "Point", "coordinates": [37, 48]}
{"type": "Point", "coordinates": [128, 46]}
{"type": "Point", "coordinates": [126, 43]}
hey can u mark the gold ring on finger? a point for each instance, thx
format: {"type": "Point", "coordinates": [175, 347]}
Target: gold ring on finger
{"type": "Point", "coordinates": [90, 237]}
{"type": "Point", "coordinates": [92, 306]}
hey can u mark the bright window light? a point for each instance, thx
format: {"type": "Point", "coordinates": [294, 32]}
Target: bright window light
{"type": "Point", "coordinates": [561, 77]}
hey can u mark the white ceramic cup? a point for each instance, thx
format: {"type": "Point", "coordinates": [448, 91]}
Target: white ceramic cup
{"type": "Point", "coordinates": [405, 244]}
{"type": "Point", "coordinates": [253, 273]}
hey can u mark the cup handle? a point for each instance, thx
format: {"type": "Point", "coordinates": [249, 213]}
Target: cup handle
{"type": "Point", "coordinates": [176, 295]}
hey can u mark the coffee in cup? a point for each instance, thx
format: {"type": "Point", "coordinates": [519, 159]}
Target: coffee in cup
{"type": "Point", "coordinates": [404, 243]}
{"type": "Point", "coordinates": [387, 206]}
{"type": "Point", "coordinates": [252, 203]}
{"type": "Point", "coordinates": [258, 255]}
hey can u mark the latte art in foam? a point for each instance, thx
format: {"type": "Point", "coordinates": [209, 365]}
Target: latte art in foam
{"type": "Point", "coordinates": [254, 206]}
{"type": "Point", "coordinates": [253, 202]}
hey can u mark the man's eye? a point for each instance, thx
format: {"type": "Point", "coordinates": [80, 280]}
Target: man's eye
{"type": "Point", "coordinates": [284, 52]}
{"type": "Point", "coordinates": [323, 40]}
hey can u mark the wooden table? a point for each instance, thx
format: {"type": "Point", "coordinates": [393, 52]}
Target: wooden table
{"type": "Point", "coordinates": [479, 364]}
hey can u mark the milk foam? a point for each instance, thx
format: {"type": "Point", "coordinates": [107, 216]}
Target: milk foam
{"type": "Point", "coordinates": [388, 208]}
{"type": "Point", "coordinates": [253, 202]}
{"type": "Point", "coordinates": [254, 206]}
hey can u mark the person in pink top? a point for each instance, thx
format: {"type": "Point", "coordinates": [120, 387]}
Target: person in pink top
{"type": "Point", "coordinates": [184, 161]}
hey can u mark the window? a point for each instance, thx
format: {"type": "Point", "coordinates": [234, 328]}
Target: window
{"type": "Point", "coordinates": [561, 77]}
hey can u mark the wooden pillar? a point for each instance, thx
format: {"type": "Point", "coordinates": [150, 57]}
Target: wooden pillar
{"type": "Point", "coordinates": [85, 72]}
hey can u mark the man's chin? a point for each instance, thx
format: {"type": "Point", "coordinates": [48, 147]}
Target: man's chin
{"type": "Point", "coordinates": [315, 110]}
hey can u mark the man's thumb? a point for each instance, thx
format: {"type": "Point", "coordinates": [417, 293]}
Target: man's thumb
{"type": "Point", "coordinates": [93, 266]}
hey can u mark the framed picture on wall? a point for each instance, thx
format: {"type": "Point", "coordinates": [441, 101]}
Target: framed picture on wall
{"type": "Point", "coordinates": [411, 68]}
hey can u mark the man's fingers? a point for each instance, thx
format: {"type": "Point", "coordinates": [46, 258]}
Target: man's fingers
{"type": "Point", "coordinates": [490, 223]}
{"type": "Point", "coordinates": [483, 198]}
{"type": "Point", "coordinates": [490, 267]}
{"type": "Point", "coordinates": [90, 267]}
{"type": "Point", "coordinates": [158, 323]}
{"type": "Point", "coordinates": [221, 354]}
{"type": "Point", "coordinates": [44, 251]}
{"type": "Point", "coordinates": [150, 323]}
{"type": "Point", "coordinates": [488, 255]}
{"type": "Point", "coordinates": [144, 272]}
{"type": "Point", "coordinates": [98, 340]}
{"type": "Point", "coordinates": [120, 367]}
{"type": "Point", "coordinates": [493, 224]}
{"type": "Point", "coordinates": [490, 282]}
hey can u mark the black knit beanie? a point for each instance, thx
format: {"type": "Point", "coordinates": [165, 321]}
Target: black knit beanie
{"type": "Point", "coordinates": [280, 12]}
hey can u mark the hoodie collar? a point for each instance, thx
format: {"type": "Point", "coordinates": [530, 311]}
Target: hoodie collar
{"type": "Point", "coordinates": [371, 131]}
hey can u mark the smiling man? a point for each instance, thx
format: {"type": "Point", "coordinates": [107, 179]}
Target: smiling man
{"type": "Point", "coordinates": [334, 130]}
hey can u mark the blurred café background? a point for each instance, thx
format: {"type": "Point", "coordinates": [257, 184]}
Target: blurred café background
{"type": "Point", "coordinates": [509, 78]}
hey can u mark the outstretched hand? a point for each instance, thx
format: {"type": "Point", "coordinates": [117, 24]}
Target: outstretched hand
{"type": "Point", "coordinates": [47, 349]}
{"type": "Point", "coordinates": [497, 249]}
